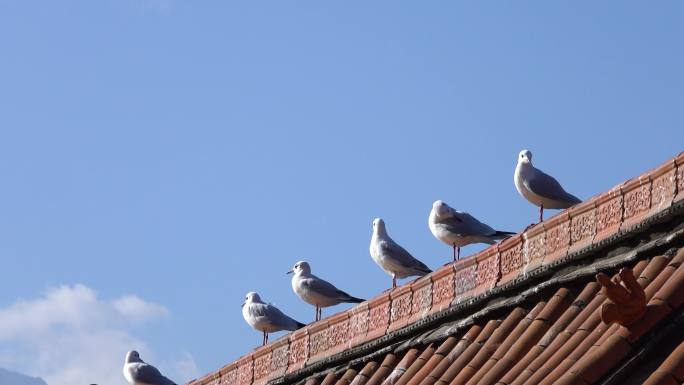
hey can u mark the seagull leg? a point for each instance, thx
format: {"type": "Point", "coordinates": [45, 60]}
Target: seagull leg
{"type": "Point", "coordinates": [263, 339]}
{"type": "Point", "coordinates": [316, 318]}
{"type": "Point", "coordinates": [394, 281]}
{"type": "Point", "coordinates": [320, 313]}
{"type": "Point", "coordinates": [458, 253]}
{"type": "Point", "coordinates": [454, 252]}
{"type": "Point", "coordinates": [266, 336]}
{"type": "Point", "coordinates": [541, 213]}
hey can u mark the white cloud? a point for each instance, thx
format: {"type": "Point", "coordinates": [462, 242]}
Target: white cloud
{"type": "Point", "coordinates": [70, 336]}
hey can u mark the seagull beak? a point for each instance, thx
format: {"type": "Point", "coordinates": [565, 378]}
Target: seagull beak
{"type": "Point", "coordinates": [290, 272]}
{"type": "Point", "coordinates": [243, 304]}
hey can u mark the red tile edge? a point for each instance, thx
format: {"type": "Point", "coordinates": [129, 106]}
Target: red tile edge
{"type": "Point", "coordinates": [400, 307]}
{"type": "Point", "coordinates": [443, 287]}
{"type": "Point", "coordinates": [511, 256]}
{"type": "Point", "coordinates": [421, 300]}
{"type": "Point", "coordinates": [636, 204]}
{"type": "Point", "coordinates": [582, 225]}
{"type": "Point", "coordinates": [488, 269]}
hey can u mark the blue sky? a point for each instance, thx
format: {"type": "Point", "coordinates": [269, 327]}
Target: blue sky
{"type": "Point", "coordinates": [161, 158]}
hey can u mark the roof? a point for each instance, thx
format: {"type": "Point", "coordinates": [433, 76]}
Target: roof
{"type": "Point", "coordinates": [529, 310]}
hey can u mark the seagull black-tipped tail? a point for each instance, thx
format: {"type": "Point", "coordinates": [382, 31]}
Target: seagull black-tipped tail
{"type": "Point", "coordinates": [503, 234]}
{"type": "Point", "coordinates": [355, 300]}
{"type": "Point", "coordinates": [300, 325]}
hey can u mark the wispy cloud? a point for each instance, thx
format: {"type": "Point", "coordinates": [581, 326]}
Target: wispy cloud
{"type": "Point", "coordinates": [70, 336]}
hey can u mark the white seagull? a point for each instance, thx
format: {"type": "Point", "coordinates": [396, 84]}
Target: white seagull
{"type": "Point", "coordinates": [265, 317]}
{"type": "Point", "coordinates": [540, 188]}
{"type": "Point", "coordinates": [137, 372]}
{"type": "Point", "coordinates": [458, 228]}
{"type": "Point", "coordinates": [316, 291]}
{"type": "Point", "coordinates": [394, 259]}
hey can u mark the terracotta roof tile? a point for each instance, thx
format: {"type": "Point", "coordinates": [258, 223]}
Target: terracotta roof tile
{"type": "Point", "coordinates": [462, 359]}
{"type": "Point", "coordinates": [383, 370]}
{"type": "Point", "coordinates": [524, 312]}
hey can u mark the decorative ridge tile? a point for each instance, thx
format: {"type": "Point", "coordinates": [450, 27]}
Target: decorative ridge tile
{"type": "Point", "coordinates": [400, 307]}
{"type": "Point", "coordinates": [488, 270]}
{"type": "Point", "coordinates": [421, 300]}
{"type": "Point", "coordinates": [465, 279]}
{"type": "Point", "coordinates": [378, 316]}
{"type": "Point", "coordinates": [608, 214]}
{"type": "Point", "coordinates": [582, 225]}
{"type": "Point", "coordinates": [636, 201]}
{"type": "Point", "coordinates": [534, 247]}
{"type": "Point", "coordinates": [557, 237]}
{"type": "Point", "coordinates": [511, 257]}
{"type": "Point", "coordinates": [443, 287]}
{"type": "Point", "coordinates": [358, 324]}
{"type": "Point", "coordinates": [663, 186]}
{"type": "Point", "coordinates": [318, 340]}
{"type": "Point", "coordinates": [338, 332]}
{"type": "Point", "coordinates": [299, 349]}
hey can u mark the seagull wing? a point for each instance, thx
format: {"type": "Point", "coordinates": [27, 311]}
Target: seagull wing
{"type": "Point", "coordinates": [547, 186]}
{"type": "Point", "coordinates": [147, 374]}
{"type": "Point", "coordinates": [273, 315]}
{"type": "Point", "coordinates": [324, 288]}
{"type": "Point", "coordinates": [403, 257]}
{"type": "Point", "coordinates": [462, 223]}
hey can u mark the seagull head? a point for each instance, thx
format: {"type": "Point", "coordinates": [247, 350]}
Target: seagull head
{"type": "Point", "coordinates": [133, 356]}
{"type": "Point", "coordinates": [525, 156]}
{"type": "Point", "coordinates": [300, 267]}
{"type": "Point", "coordinates": [378, 226]}
{"type": "Point", "coordinates": [440, 208]}
{"type": "Point", "coordinates": [252, 296]}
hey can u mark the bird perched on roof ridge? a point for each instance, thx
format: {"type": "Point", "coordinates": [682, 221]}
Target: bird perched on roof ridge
{"type": "Point", "coordinates": [317, 291]}
{"type": "Point", "coordinates": [392, 258]}
{"type": "Point", "coordinates": [265, 317]}
{"type": "Point", "coordinates": [138, 372]}
{"type": "Point", "coordinates": [539, 188]}
{"type": "Point", "coordinates": [458, 228]}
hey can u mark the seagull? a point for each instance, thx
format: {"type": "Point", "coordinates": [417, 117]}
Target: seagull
{"type": "Point", "coordinates": [391, 257]}
{"type": "Point", "coordinates": [539, 188]}
{"type": "Point", "coordinates": [316, 291]}
{"type": "Point", "coordinates": [458, 228]}
{"type": "Point", "coordinates": [137, 372]}
{"type": "Point", "coordinates": [266, 317]}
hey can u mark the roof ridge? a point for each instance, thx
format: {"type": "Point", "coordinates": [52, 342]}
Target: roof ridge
{"type": "Point", "coordinates": [598, 223]}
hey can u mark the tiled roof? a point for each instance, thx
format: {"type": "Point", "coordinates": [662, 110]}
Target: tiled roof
{"type": "Point", "coordinates": [525, 311]}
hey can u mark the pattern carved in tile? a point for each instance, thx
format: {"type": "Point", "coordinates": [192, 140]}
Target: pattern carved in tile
{"type": "Point", "coordinates": [464, 279]}
{"type": "Point", "coordinates": [422, 299]}
{"type": "Point", "coordinates": [401, 307]}
{"type": "Point", "coordinates": [680, 178]}
{"type": "Point", "coordinates": [663, 188]}
{"type": "Point", "coordinates": [511, 259]}
{"type": "Point", "coordinates": [358, 323]}
{"type": "Point", "coordinates": [338, 333]}
{"type": "Point", "coordinates": [443, 289]}
{"type": "Point", "coordinates": [637, 201]}
{"type": "Point", "coordinates": [609, 214]}
{"type": "Point", "coordinates": [583, 226]}
{"type": "Point", "coordinates": [299, 349]}
{"type": "Point", "coordinates": [279, 358]}
{"type": "Point", "coordinates": [318, 342]}
{"type": "Point", "coordinates": [488, 270]}
{"type": "Point", "coordinates": [558, 237]}
{"type": "Point", "coordinates": [229, 378]}
{"type": "Point", "coordinates": [262, 366]}
{"type": "Point", "coordinates": [379, 316]}
{"type": "Point", "coordinates": [244, 374]}
{"type": "Point", "coordinates": [534, 248]}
